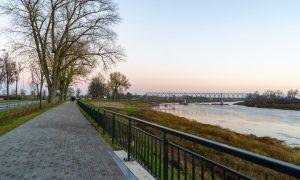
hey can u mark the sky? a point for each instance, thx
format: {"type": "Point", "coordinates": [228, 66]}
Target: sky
{"type": "Point", "coordinates": [209, 46]}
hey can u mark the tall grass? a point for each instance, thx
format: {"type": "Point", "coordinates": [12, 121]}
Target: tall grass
{"type": "Point", "coordinates": [16, 117]}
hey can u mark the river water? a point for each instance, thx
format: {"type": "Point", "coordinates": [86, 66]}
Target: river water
{"type": "Point", "coordinates": [280, 124]}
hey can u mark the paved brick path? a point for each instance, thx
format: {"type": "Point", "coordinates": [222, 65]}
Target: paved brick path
{"type": "Point", "coordinates": [59, 144]}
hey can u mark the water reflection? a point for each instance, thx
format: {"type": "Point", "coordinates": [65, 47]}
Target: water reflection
{"type": "Point", "coordinates": [280, 124]}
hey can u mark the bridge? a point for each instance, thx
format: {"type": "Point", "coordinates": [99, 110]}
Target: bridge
{"type": "Point", "coordinates": [213, 96]}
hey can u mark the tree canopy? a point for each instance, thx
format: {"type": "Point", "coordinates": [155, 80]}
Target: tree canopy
{"type": "Point", "coordinates": [118, 83]}
{"type": "Point", "coordinates": [66, 33]}
{"type": "Point", "coordinates": [98, 87]}
{"type": "Point", "coordinates": [7, 71]}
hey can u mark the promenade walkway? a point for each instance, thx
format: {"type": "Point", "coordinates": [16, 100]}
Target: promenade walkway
{"type": "Point", "coordinates": [59, 144]}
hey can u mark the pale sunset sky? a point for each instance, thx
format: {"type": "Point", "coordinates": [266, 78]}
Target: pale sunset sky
{"type": "Point", "coordinates": [208, 45]}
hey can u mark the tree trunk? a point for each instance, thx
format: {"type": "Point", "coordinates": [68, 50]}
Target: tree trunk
{"type": "Point", "coordinates": [17, 87]}
{"type": "Point", "coordinates": [7, 90]}
{"type": "Point", "coordinates": [52, 87]}
{"type": "Point", "coordinates": [115, 94]}
{"type": "Point", "coordinates": [65, 94]}
{"type": "Point", "coordinates": [52, 93]}
{"type": "Point", "coordinates": [41, 89]}
{"type": "Point", "coordinates": [61, 94]}
{"type": "Point", "coordinates": [37, 91]}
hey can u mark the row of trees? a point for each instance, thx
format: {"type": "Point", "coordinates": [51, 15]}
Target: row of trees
{"type": "Point", "coordinates": [72, 92]}
{"type": "Point", "coordinates": [64, 39]}
{"type": "Point", "coordinates": [116, 85]}
{"type": "Point", "coordinates": [269, 97]}
{"type": "Point", "coordinates": [9, 72]}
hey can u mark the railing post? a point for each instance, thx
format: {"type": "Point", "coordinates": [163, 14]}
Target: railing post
{"type": "Point", "coordinates": [98, 117]}
{"type": "Point", "coordinates": [166, 156]}
{"type": "Point", "coordinates": [89, 110]}
{"type": "Point", "coordinates": [129, 140]}
{"type": "Point", "coordinates": [103, 122]}
{"type": "Point", "coordinates": [113, 129]}
{"type": "Point", "coordinates": [92, 112]}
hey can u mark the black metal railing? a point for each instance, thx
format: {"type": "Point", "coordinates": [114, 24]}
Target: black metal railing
{"type": "Point", "coordinates": [166, 159]}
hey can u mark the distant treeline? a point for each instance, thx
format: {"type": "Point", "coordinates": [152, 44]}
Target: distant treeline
{"type": "Point", "coordinates": [273, 99]}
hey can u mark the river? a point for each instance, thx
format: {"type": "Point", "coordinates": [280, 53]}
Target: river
{"type": "Point", "coordinates": [281, 124]}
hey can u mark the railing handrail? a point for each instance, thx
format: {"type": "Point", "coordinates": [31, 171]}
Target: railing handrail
{"type": "Point", "coordinates": [275, 164]}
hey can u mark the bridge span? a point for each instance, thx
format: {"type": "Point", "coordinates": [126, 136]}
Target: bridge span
{"type": "Point", "coordinates": [216, 96]}
{"type": "Point", "coordinates": [198, 94]}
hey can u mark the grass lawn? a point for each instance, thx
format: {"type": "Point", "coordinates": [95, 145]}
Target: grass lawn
{"type": "Point", "coordinates": [19, 116]}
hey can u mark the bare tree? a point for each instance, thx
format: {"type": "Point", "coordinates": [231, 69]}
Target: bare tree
{"type": "Point", "coordinates": [33, 93]}
{"type": "Point", "coordinates": [292, 94]}
{"type": "Point", "coordinates": [44, 94]}
{"type": "Point", "coordinates": [71, 92]}
{"type": "Point", "coordinates": [17, 72]}
{"type": "Point", "coordinates": [7, 69]}
{"type": "Point", "coordinates": [97, 87]}
{"type": "Point", "coordinates": [23, 93]}
{"type": "Point", "coordinates": [78, 91]}
{"type": "Point", "coordinates": [37, 80]}
{"type": "Point", "coordinates": [118, 83]}
{"type": "Point", "coordinates": [74, 72]}
{"type": "Point", "coordinates": [53, 27]}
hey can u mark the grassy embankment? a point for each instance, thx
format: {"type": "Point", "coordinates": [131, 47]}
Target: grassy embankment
{"type": "Point", "coordinates": [16, 117]}
{"type": "Point", "coordinates": [291, 106]}
{"type": "Point", "coordinates": [267, 146]}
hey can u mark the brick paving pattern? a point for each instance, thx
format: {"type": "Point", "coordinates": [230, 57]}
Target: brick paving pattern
{"type": "Point", "coordinates": [59, 144]}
